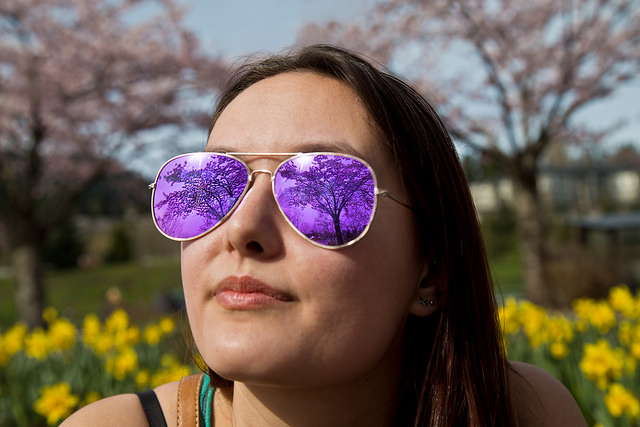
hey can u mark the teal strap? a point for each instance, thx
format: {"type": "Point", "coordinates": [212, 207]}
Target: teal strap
{"type": "Point", "coordinates": [206, 401]}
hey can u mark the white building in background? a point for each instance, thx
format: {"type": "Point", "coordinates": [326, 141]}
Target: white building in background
{"type": "Point", "coordinates": [571, 190]}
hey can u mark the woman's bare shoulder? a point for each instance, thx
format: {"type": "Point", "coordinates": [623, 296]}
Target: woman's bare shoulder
{"type": "Point", "coordinates": [539, 399]}
{"type": "Point", "coordinates": [121, 410]}
{"type": "Point", "coordinates": [124, 410]}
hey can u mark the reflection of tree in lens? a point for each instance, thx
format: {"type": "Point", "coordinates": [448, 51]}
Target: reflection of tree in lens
{"type": "Point", "coordinates": [207, 193]}
{"type": "Point", "coordinates": [329, 200]}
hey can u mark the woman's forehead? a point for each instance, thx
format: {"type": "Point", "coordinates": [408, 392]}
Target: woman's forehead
{"type": "Point", "coordinates": [299, 111]}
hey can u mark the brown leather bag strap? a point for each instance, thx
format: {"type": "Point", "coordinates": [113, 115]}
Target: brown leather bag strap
{"type": "Point", "coordinates": [189, 401]}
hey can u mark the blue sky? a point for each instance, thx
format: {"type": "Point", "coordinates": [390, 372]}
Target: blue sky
{"type": "Point", "coordinates": [240, 27]}
{"type": "Point", "coordinates": [237, 28]}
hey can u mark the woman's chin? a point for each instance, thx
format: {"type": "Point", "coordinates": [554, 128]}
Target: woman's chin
{"type": "Point", "coordinates": [255, 376]}
{"type": "Point", "coordinates": [248, 368]}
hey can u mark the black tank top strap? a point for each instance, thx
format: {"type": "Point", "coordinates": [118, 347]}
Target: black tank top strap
{"type": "Point", "coordinates": [152, 408]}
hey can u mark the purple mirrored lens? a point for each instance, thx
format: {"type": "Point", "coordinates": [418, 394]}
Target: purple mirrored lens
{"type": "Point", "coordinates": [195, 192]}
{"type": "Point", "coordinates": [328, 198]}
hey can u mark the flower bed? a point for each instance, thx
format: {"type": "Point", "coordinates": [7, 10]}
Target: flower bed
{"type": "Point", "coordinates": [46, 374]}
{"type": "Point", "coordinates": [594, 350]}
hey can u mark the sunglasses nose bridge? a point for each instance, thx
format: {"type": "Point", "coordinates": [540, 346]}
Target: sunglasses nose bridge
{"type": "Point", "coordinates": [256, 171]}
{"type": "Point", "coordinates": [252, 175]}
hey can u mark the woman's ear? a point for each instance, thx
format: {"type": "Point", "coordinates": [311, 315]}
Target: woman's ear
{"type": "Point", "coordinates": [425, 302]}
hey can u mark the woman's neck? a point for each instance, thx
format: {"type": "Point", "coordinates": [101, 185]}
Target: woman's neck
{"type": "Point", "coordinates": [370, 399]}
{"type": "Point", "coordinates": [365, 404]}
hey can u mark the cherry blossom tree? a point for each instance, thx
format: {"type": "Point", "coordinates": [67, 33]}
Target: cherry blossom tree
{"type": "Point", "coordinates": [199, 197]}
{"type": "Point", "coordinates": [509, 77]}
{"type": "Point", "coordinates": [330, 200]}
{"type": "Point", "coordinates": [82, 82]}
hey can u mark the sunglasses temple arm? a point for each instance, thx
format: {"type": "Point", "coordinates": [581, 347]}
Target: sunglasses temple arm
{"type": "Point", "coordinates": [385, 193]}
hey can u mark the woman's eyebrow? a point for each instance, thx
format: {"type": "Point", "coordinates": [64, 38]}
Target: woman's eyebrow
{"type": "Point", "coordinates": [304, 147]}
{"type": "Point", "coordinates": [219, 149]}
{"type": "Point", "coordinates": [331, 147]}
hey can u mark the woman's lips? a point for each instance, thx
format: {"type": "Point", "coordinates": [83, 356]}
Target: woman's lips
{"type": "Point", "coordinates": [247, 293]}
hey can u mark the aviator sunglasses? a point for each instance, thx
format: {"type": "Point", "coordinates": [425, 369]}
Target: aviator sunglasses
{"type": "Point", "coordinates": [329, 199]}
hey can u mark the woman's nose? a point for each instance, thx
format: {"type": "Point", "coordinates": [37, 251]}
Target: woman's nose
{"type": "Point", "coordinates": [255, 227]}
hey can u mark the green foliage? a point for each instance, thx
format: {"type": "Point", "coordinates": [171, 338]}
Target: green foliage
{"type": "Point", "coordinates": [62, 247]}
{"type": "Point", "coordinates": [78, 292]}
{"type": "Point", "coordinates": [115, 194]}
{"type": "Point", "coordinates": [499, 231]}
{"type": "Point", "coordinates": [506, 269]}
{"type": "Point", "coordinates": [121, 245]}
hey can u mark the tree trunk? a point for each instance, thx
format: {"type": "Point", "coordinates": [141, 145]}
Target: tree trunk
{"type": "Point", "coordinates": [532, 243]}
{"type": "Point", "coordinates": [336, 226]}
{"type": "Point", "coordinates": [532, 230]}
{"type": "Point", "coordinates": [28, 270]}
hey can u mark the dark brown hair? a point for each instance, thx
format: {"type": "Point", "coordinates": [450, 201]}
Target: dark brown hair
{"type": "Point", "coordinates": [455, 372]}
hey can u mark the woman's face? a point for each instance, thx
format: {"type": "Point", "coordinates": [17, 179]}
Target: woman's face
{"type": "Point", "coordinates": [268, 307]}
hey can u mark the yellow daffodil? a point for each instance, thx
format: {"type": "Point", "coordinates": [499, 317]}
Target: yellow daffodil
{"type": "Point", "coordinates": [597, 313]}
{"type": "Point", "coordinates": [629, 364]}
{"type": "Point", "coordinates": [12, 342]}
{"type": "Point", "coordinates": [621, 401]}
{"type": "Point", "coordinates": [508, 317]}
{"type": "Point", "coordinates": [634, 349]}
{"type": "Point", "coordinates": [559, 350]}
{"type": "Point", "coordinates": [117, 321]}
{"type": "Point", "coordinates": [102, 344]}
{"type": "Point", "coordinates": [560, 328]}
{"type": "Point", "coordinates": [90, 326]}
{"type": "Point", "coordinates": [14, 338]}
{"type": "Point", "coordinates": [37, 344]}
{"type": "Point", "coordinates": [621, 299]}
{"type": "Point", "coordinates": [122, 364]}
{"type": "Point", "coordinates": [123, 338]}
{"type": "Point", "coordinates": [534, 321]}
{"type": "Point", "coordinates": [601, 363]}
{"type": "Point", "coordinates": [171, 370]}
{"type": "Point", "coordinates": [133, 335]}
{"type": "Point", "coordinates": [169, 374]}
{"type": "Point", "coordinates": [49, 314]}
{"type": "Point", "coordinates": [152, 334]}
{"type": "Point", "coordinates": [603, 318]}
{"type": "Point", "coordinates": [142, 378]}
{"type": "Point", "coordinates": [167, 325]}
{"type": "Point", "coordinates": [62, 334]}
{"type": "Point", "coordinates": [56, 402]}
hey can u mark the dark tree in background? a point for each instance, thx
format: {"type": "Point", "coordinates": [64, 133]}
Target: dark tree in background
{"type": "Point", "coordinates": [509, 77]}
{"type": "Point", "coordinates": [189, 196]}
{"type": "Point", "coordinates": [331, 197]}
{"type": "Point", "coordinates": [80, 83]}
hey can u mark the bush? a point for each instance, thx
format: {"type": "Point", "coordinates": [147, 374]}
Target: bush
{"type": "Point", "coordinates": [499, 231]}
{"type": "Point", "coordinates": [62, 247]}
{"type": "Point", "coordinates": [121, 245]}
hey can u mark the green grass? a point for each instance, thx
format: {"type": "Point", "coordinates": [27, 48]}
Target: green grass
{"type": "Point", "coordinates": [77, 292]}
{"type": "Point", "coordinates": [507, 272]}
